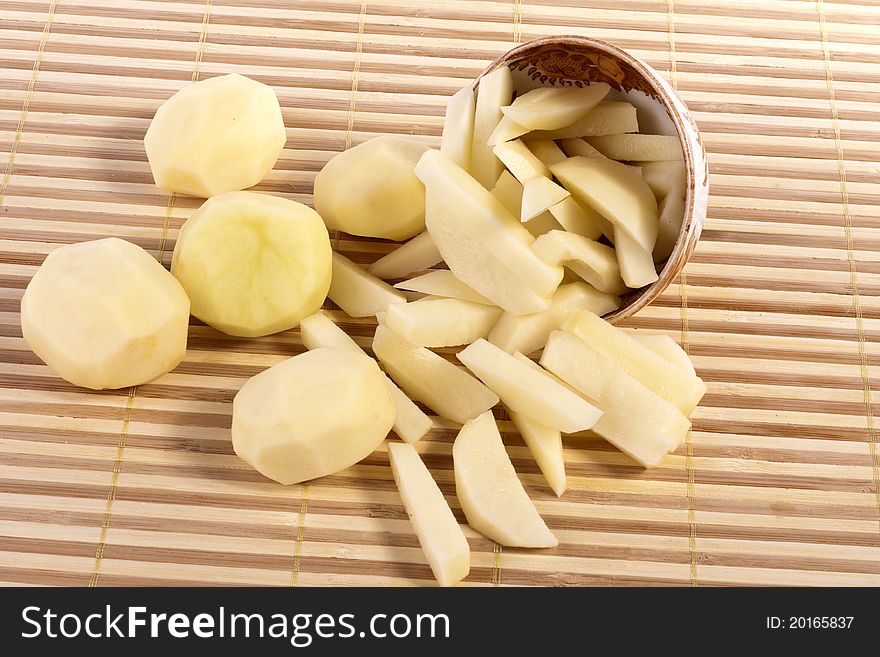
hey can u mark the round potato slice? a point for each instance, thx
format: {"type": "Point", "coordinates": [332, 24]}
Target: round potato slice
{"type": "Point", "coordinates": [105, 314]}
{"type": "Point", "coordinates": [312, 415]}
{"type": "Point", "coordinates": [253, 264]}
{"type": "Point", "coordinates": [371, 189]}
{"type": "Point", "coordinates": [217, 135]}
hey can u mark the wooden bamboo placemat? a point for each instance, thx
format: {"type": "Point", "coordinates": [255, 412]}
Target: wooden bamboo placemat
{"type": "Point", "coordinates": [779, 482]}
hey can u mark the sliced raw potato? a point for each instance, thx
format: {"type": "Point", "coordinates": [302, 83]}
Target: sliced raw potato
{"type": "Point", "coordinates": [494, 92]}
{"type": "Point", "coordinates": [312, 415]}
{"type": "Point", "coordinates": [649, 369]}
{"type": "Point", "coordinates": [539, 195]}
{"type": "Point", "coordinates": [615, 191]}
{"type": "Point", "coordinates": [458, 127]}
{"type": "Point", "coordinates": [318, 330]}
{"type": "Point", "coordinates": [418, 254]}
{"type": "Point", "coordinates": [443, 283]}
{"type": "Point", "coordinates": [441, 322]}
{"type": "Point", "coordinates": [520, 161]}
{"type": "Point", "coordinates": [545, 444]}
{"type": "Point", "coordinates": [358, 292]}
{"type": "Point", "coordinates": [638, 422]}
{"type": "Point", "coordinates": [548, 108]}
{"type": "Point", "coordinates": [671, 216]}
{"type": "Point", "coordinates": [483, 244]}
{"type": "Point", "coordinates": [491, 495]}
{"type": "Point", "coordinates": [444, 544]}
{"type": "Point", "coordinates": [105, 314]}
{"type": "Point", "coordinates": [592, 261]}
{"type": "Point", "coordinates": [665, 177]}
{"type": "Point", "coordinates": [583, 220]}
{"type": "Point", "coordinates": [547, 151]}
{"type": "Point", "coordinates": [509, 191]}
{"type": "Point", "coordinates": [371, 189]}
{"type": "Point", "coordinates": [543, 223]}
{"type": "Point", "coordinates": [607, 118]}
{"type": "Point", "coordinates": [528, 333]}
{"type": "Point", "coordinates": [431, 379]}
{"type": "Point", "coordinates": [636, 265]}
{"type": "Point", "coordinates": [534, 394]}
{"type": "Point", "coordinates": [506, 130]}
{"type": "Point", "coordinates": [638, 147]}
{"type": "Point", "coordinates": [253, 264]}
{"type": "Point", "coordinates": [664, 346]}
{"type": "Point", "coordinates": [575, 146]}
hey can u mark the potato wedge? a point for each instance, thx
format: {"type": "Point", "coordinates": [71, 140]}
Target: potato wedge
{"type": "Point", "coordinates": [443, 283]}
{"type": "Point", "coordinates": [441, 322]}
{"type": "Point", "coordinates": [592, 261]}
{"type": "Point", "coordinates": [506, 130]}
{"type": "Point", "coordinates": [458, 127]}
{"type": "Point", "coordinates": [638, 147]}
{"type": "Point", "coordinates": [669, 228]}
{"type": "Point", "coordinates": [520, 161]}
{"type": "Point", "coordinates": [549, 108]}
{"type": "Point", "coordinates": [494, 92]}
{"type": "Point", "coordinates": [541, 224]}
{"type": "Point", "coordinates": [607, 118]}
{"type": "Point", "coordinates": [545, 445]}
{"type": "Point", "coordinates": [636, 265]}
{"type": "Point", "coordinates": [418, 254]}
{"type": "Point", "coordinates": [666, 347]}
{"type": "Point", "coordinates": [547, 151]}
{"type": "Point", "coordinates": [575, 146]}
{"type": "Point", "coordinates": [539, 195]}
{"type": "Point", "coordinates": [583, 220]}
{"type": "Point", "coordinates": [357, 291]}
{"type": "Point", "coordinates": [664, 177]}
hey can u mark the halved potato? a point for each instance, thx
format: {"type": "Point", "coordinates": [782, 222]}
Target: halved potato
{"type": "Point", "coordinates": [359, 293]}
{"type": "Point", "coordinates": [638, 147]}
{"type": "Point", "coordinates": [441, 322]}
{"type": "Point", "coordinates": [528, 333]}
{"type": "Point", "coordinates": [418, 254]}
{"type": "Point", "coordinates": [548, 108]}
{"type": "Point", "coordinates": [494, 92]}
{"type": "Point", "coordinates": [592, 261]}
{"type": "Point", "coordinates": [445, 547]}
{"type": "Point", "coordinates": [253, 264]}
{"type": "Point", "coordinates": [458, 127]}
{"type": "Point", "coordinates": [431, 379]}
{"type": "Point", "coordinates": [607, 118]}
{"type": "Point", "coordinates": [443, 283]}
{"type": "Point", "coordinates": [491, 495]}
{"type": "Point", "coordinates": [636, 264]}
{"type": "Point", "coordinates": [105, 314]}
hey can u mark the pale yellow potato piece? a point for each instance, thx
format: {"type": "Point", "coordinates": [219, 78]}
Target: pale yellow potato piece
{"type": "Point", "coordinates": [549, 108]}
{"type": "Point", "coordinates": [635, 420]}
{"type": "Point", "coordinates": [528, 333]}
{"type": "Point", "coordinates": [105, 314]}
{"type": "Point", "coordinates": [491, 495]}
{"type": "Point", "coordinates": [547, 151]}
{"type": "Point", "coordinates": [583, 220]}
{"type": "Point", "coordinates": [253, 264]}
{"type": "Point", "coordinates": [440, 536]}
{"type": "Point", "coordinates": [666, 347]}
{"type": "Point", "coordinates": [520, 161]}
{"type": "Point", "coordinates": [545, 445]}
{"type": "Point", "coordinates": [215, 136]}
{"type": "Point", "coordinates": [318, 330]}
{"type": "Point", "coordinates": [665, 177]}
{"type": "Point", "coordinates": [541, 224]}
{"type": "Point", "coordinates": [608, 118]}
{"type": "Point", "coordinates": [638, 147]}
{"type": "Point", "coordinates": [636, 265]}
{"type": "Point", "coordinates": [506, 130]}
{"type": "Point", "coordinates": [592, 261]}
{"type": "Point", "coordinates": [371, 189]}
{"type": "Point", "coordinates": [575, 146]}
{"type": "Point", "coordinates": [446, 389]}
{"type": "Point", "coordinates": [358, 292]}
{"type": "Point", "coordinates": [312, 415]}
{"type": "Point", "coordinates": [669, 228]}
{"type": "Point", "coordinates": [494, 92]}
{"type": "Point", "coordinates": [418, 254]}
{"type": "Point", "coordinates": [532, 393]}
{"type": "Point", "coordinates": [458, 127]}
{"type": "Point", "coordinates": [615, 191]}
{"type": "Point", "coordinates": [539, 195]}
{"type": "Point", "coordinates": [649, 369]}
{"type": "Point", "coordinates": [482, 243]}
{"type": "Point", "coordinates": [441, 322]}
{"type": "Point", "coordinates": [443, 283]}
{"type": "Point", "coordinates": [509, 191]}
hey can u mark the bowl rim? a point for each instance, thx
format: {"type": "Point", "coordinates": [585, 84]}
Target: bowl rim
{"type": "Point", "coordinates": [692, 222]}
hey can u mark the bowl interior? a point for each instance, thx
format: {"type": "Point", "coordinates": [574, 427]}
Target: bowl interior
{"type": "Point", "coordinates": [579, 61]}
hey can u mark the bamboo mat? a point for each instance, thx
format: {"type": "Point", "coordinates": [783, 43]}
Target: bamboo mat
{"type": "Point", "coordinates": [779, 308]}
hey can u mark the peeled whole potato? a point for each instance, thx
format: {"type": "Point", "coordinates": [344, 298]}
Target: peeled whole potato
{"type": "Point", "coordinates": [105, 314]}
{"type": "Point", "coordinates": [371, 189]}
{"type": "Point", "coordinates": [312, 415]}
{"type": "Point", "coordinates": [218, 135]}
{"type": "Point", "coordinates": [253, 264]}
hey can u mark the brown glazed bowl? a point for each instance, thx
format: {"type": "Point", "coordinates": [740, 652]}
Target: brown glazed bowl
{"type": "Point", "coordinates": [574, 60]}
